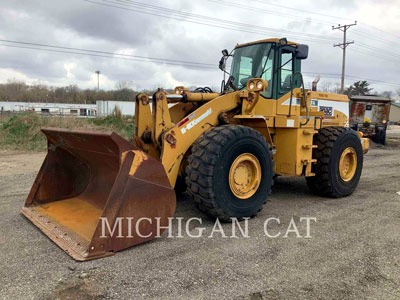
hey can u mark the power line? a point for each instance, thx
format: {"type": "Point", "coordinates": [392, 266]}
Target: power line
{"type": "Point", "coordinates": [267, 12]}
{"type": "Point", "coordinates": [199, 19]}
{"type": "Point", "coordinates": [378, 50]}
{"type": "Point", "coordinates": [108, 56]}
{"type": "Point", "coordinates": [306, 20]}
{"type": "Point", "coordinates": [132, 3]}
{"type": "Point", "coordinates": [368, 52]}
{"type": "Point", "coordinates": [325, 15]}
{"type": "Point", "coordinates": [374, 37]}
{"type": "Point", "coordinates": [301, 10]}
{"type": "Point", "coordinates": [217, 23]}
{"type": "Point", "coordinates": [397, 36]}
{"type": "Point", "coordinates": [353, 77]}
{"type": "Point", "coordinates": [102, 52]}
{"type": "Point", "coordinates": [364, 34]}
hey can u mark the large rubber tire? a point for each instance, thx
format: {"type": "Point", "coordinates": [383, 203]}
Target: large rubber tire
{"type": "Point", "coordinates": [180, 186]}
{"type": "Point", "coordinates": [380, 136]}
{"type": "Point", "coordinates": [331, 142]}
{"type": "Point", "coordinates": [208, 171]}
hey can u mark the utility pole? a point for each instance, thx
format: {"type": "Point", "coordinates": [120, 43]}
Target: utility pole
{"type": "Point", "coordinates": [98, 79]}
{"type": "Point", "coordinates": [343, 46]}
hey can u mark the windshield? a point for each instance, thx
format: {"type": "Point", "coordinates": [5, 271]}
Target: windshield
{"type": "Point", "coordinates": [253, 61]}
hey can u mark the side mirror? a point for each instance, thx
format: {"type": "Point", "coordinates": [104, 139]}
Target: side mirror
{"type": "Point", "coordinates": [225, 53]}
{"type": "Point", "coordinates": [302, 51]}
{"type": "Point", "coordinates": [222, 63]}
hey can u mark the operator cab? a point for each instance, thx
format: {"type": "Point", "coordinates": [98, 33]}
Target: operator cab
{"type": "Point", "coordinates": [275, 60]}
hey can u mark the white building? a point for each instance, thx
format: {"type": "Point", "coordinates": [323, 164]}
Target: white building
{"type": "Point", "coordinates": [64, 109]}
{"type": "Point", "coordinates": [106, 107]}
{"type": "Point", "coordinates": [102, 108]}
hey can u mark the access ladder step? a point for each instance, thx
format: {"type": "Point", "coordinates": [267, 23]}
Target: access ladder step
{"type": "Point", "coordinates": [307, 161]}
{"type": "Point", "coordinates": [309, 146]}
{"type": "Point", "coordinates": [309, 131]}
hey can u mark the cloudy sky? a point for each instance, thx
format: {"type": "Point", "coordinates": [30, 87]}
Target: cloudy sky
{"type": "Point", "coordinates": [188, 36]}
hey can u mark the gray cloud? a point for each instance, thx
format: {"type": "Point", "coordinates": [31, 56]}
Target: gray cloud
{"type": "Point", "coordinates": [77, 23]}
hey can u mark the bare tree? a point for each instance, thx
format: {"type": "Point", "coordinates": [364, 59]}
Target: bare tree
{"type": "Point", "coordinates": [325, 86]}
{"type": "Point", "coordinates": [388, 94]}
{"type": "Point", "coordinates": [14, 89]}
{"type": "Point", "coordinates": [123, 84]}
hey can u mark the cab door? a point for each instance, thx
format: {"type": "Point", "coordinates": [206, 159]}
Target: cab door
{"type": "Point", "coordinates": [288, 65]}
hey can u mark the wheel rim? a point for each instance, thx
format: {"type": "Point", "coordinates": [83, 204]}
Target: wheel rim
{"type": "Point", "coordinates": [245, 176]}
{"type": "Point", "coordinates": [348, 164]}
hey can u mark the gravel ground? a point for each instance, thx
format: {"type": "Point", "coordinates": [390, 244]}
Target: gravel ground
{"type": "Point", "coordinates": [354, 252]}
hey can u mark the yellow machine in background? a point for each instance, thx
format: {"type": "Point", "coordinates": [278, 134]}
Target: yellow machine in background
{"type": "Point", "coordinates": [223, 148]}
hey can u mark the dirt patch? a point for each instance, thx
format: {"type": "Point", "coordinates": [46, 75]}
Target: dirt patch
{"type": "Point", "coordinates": [17, 162]}
{"type": "Point", "coordinates": [79, 287]}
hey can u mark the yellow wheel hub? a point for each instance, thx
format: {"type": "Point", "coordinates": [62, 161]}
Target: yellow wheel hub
{"type": "Point", "coordinates": [245, 176]}
{"type": "Point", "coordinates": [348, 164]}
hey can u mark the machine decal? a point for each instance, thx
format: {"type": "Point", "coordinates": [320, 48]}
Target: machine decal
{"type": "Point", "coordinates": [196, 121]}
{"type": "Point", "coordinates": [328, 105]}
{"type": "Point", "coordinates": [290, 123]}
{"type": "Point", "coordinates": [295, 102]}
{"type": "Point", "coordinates": [328, 110]}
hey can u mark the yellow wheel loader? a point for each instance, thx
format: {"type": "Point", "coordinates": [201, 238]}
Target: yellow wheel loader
{"type": "Point", "coordinates": [97, 193]}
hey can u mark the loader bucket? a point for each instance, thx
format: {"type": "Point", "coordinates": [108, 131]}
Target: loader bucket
{"type": "Point", "coordinates": [92, 191]}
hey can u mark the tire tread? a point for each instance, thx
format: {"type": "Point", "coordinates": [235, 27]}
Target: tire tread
{"type": "Point", "coordinates": [320, 184]}
{"type": "Point", "coordinates": [205, 154]}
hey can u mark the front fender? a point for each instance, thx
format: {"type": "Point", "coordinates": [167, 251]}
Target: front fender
{"type": "Point", "coordinates": [178, 139]}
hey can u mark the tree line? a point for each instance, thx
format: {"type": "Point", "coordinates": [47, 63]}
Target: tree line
{"type": "Point", "coordinates": [358, 88]}
{"type": "Point", "coordinates": [19, 91]}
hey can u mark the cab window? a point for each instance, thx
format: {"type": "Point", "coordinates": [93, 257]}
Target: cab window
{"type": "Point", "coordinates": [253, 61]}
{"type": "Point", "coordinates": [286, 72]}
{"type": "Point", "coordinates": [268, 73]}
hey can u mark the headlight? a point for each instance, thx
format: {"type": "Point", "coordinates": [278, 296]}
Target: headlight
{"type": "Point", "coordinates": [384, 121]}
{"type": "Point", "coordinates": [256, 85]}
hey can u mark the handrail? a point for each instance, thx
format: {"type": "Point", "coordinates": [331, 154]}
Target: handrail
{"type": "Point", "coordinates": [304, 96]}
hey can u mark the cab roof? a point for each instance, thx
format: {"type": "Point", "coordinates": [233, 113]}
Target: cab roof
{"type": "Point", "coordinates": [273, 40]}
